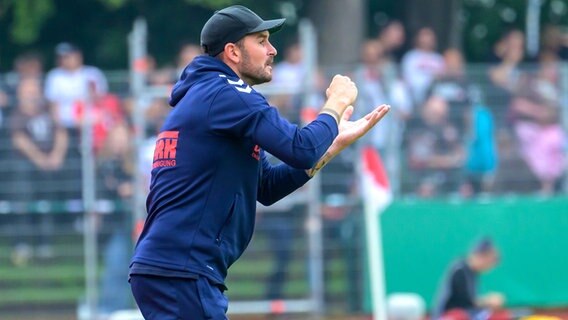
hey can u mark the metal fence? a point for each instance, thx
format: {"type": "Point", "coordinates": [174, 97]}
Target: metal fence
{"type": "Point", "coordinates": [473, 139]}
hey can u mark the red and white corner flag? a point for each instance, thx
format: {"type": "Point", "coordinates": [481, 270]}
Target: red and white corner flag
{"type": "Point", "coordinates": [377, 195]}
{"type": "Point", "coordinates": [375, 187]}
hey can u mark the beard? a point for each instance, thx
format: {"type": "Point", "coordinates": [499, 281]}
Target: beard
{"type": "Point", "coordinates": [254, 74]}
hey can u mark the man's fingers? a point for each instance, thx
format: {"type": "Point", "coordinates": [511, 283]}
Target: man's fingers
{"type": "Point", "coordinates": [379, 109]}
{"type": "Point", "coordinates": [384, 109]}
{"type": "Point", "coordinates": [374, 119]}
{"type": "Point", "coordinates": [376, 116]}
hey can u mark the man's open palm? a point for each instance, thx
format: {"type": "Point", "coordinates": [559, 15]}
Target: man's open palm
{"type": "Point", "coordinates": [351, 131]}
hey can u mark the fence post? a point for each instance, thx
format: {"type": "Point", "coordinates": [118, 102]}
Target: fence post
{"type": "Point", "coordinates": [90, 219]}
{"type": "Point", "coordinates": [137, 42]}
{"type": "Point", "coordinates": [308, 42]}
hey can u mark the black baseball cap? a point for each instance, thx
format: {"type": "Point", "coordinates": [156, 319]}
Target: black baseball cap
{"type": "Point", "coordinates": [231, 24]}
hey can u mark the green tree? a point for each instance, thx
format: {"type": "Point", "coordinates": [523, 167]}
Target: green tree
{"type": "Point", "coordinates": [100, 27]}
{"type": "Point", "coordinates": [486, 20]}
{"type": "Point", "coordinates": [28, 16]}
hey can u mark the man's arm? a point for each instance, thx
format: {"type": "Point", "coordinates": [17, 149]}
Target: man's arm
{"type": "Point", "coordinates": [278, 181]}
{"type": "Point", "coordinates": [246, 114]}
{"type": "Point", "coordinates": [60, 147]}
{"type": "Point", "coordinates": [29, 149]}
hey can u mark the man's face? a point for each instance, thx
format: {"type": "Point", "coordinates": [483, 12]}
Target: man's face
{"type": "Point", "coordinates": [258, 54]}
{"type": "Point", "coordinates": [488, 260]}
{"type": "Point", "coordinates": [426, 39]}
{"type": "Point", "coordinates": [29, 95]}
{"type": "Point", "coordinates": [71, 61]}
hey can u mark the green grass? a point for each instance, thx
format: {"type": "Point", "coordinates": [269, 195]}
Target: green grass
{"type": "Point", "coordinates": [31, 295]}
{"type": "Point", "coordinates": [33, 273]}
{"type": "Point", "coordinates": [64, 283]}
{"type": "Point", "coordinates": [61, 280]}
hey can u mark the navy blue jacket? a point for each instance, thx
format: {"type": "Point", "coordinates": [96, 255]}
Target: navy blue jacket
{"type": "Point", "coordinates": [210, 169]}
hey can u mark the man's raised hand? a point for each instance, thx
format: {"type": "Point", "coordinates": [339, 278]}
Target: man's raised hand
{"type": "Point", "coordinates": [341, 93]}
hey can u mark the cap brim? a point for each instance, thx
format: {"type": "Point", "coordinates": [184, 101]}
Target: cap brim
{"type": "Point", "coordinates": [269, 25]}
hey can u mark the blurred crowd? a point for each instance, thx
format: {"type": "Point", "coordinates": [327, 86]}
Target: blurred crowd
{"type": "Point", "coordinates": [455, 127]}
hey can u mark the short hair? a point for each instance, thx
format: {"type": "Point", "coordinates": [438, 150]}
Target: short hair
{"type": "Point", "coordinates": [484, 245]}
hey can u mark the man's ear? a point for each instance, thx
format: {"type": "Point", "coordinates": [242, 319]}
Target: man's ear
{"type": "Point", "coordinates": [232, 53]}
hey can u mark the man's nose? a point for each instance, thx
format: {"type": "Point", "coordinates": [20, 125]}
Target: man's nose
{"type": "Point", "coordinates": [271, 50]}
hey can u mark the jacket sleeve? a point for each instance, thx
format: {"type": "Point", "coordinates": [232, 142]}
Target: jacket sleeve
{"type": "Point", "coordinates": [278, 181]}
{"type": "Point", "coordinates": [247, 114]}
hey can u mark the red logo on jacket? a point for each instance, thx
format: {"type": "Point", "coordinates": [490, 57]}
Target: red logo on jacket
{"type": "Point", "coordinates": [165, 151]}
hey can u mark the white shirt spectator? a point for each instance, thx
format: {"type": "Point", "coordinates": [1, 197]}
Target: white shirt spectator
{"type": "Point", "coordinates": [289, 75]}
{"type": "Point", "coordinates": [374, 90]}
{"type": "Point", "coordinates": [419, 68]}
{"type": "Point", "coordinates": [67, 89]}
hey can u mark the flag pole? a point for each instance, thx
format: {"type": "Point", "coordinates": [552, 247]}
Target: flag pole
{"type": "Point", "coordinates": [375, 262]}
{"type": "Point", "coordinates": [376, 195]}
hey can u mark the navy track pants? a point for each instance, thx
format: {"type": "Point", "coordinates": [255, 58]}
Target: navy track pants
{"type": "Point", "coordinates": [166, 298]}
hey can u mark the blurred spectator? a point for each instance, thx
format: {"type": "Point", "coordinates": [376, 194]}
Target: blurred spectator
{"type": "Point", "coordinates": [290, 71]}
{"type": "Point", "coordinates": [4, 106]}
{"type": "Point", "coordinates": [115, 169]}
{"type": "Point", "coordinates": [536, 122]}
{"type": "Point", "coordinates": [453, 86]}
{"type": "Point", "coordinates": [504, 79]}
{"type": "Point", "coordinates": [279, 226]}
{"type": "Point", "coordinates": [392, 37]}
{"type": "Point", "coordinates": [40, 141]}
{"type": "Point", "coordinates": [435, 150]}
{"type": "Point", "coordinates": [26, 65]}
{"type": "Point", "coordinates": [279, 223]}
{"type": "Point", "coordinates": [375, 88]}
{"type": "Point", "coordinates": [164, 76]}
{"type": "Point", "coordinates": [506, 76]}
{"type": "Point", "coordinates": [71, 88]}
{"type": "Point", "coordinates": [481, 158]}
{"type": "Point", "coordinates": [69, 85]}
{"type": "Point", "coordinates": [186, 54]}
{"type": "Point", "coordinates": [290, 76]}
{"type": "Point", "coordinates": [509, 38]}
{"type": "Point", "coordinates": [458, 296]}
{"type": "Point", "coordinates": [342, 228]}
{"type": "Point", "coordinates": [554, 42]}
{"type": "Point", "coordinates": [421, 65]}
{"type": "Point", "coordinates": [41, 145]}
{"type": "Point", "coordinates": [106, 113]}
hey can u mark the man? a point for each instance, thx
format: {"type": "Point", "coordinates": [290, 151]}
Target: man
{"type": "Point", "coordinates": [458, 298]}
{"type": "Point", "coordinates": [41, 145]}
{"type": "Point", "coordinates": [421, 65]}
{"type": "Point", "coordinates": [69, 86]}
{"type": "Point", "coordinates": [392, 37]}
{"type": "Point", "coordinates": [376, 83]}
{"type": "Point", "coordinates": [209, 166]}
